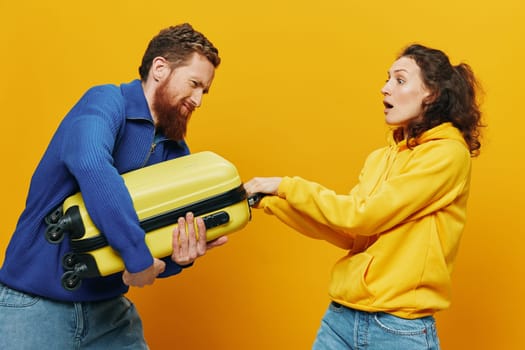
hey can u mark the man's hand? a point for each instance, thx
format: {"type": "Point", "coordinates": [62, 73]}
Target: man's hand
{"type": "Point", "coordinates": [144, 277]}
{"type": "Point", "coordinates": [189, 244]}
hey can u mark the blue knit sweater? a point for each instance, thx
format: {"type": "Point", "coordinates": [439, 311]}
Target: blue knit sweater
{"type": "Point", "coordinates": [108, 132]}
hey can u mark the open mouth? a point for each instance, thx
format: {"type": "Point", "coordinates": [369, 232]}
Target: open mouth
{"type": "Point", "coordinates": [387, 105]}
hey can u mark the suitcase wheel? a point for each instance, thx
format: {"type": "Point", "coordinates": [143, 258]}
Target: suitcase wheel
{"type": "Point", "coordinates": [54, 216]}
{"type": "Point", "coordinates": [68, 261]}
{"type": "Point", "coordinates": [71, 281]}
{"type": "Point", "coordinates": [54, 234]}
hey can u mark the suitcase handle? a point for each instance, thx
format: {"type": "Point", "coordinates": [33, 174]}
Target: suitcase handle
{"type": "Point", "coordinates": [254, 199]}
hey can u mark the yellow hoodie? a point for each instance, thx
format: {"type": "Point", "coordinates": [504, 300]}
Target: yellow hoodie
{"type": "Point", "coordinates": [401, 224]}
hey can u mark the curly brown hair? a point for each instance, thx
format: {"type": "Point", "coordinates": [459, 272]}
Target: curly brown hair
{"type": "Point", "coordinates": [454, 100]}
{"type": "Point", "coordinates": [176, 44]}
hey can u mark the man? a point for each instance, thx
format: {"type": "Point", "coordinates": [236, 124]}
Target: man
{"type": "Point", "coordinates": [111, 130]}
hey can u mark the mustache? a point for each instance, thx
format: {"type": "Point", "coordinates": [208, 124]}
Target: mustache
{"type": "Point", "coordinates": [190, 106]}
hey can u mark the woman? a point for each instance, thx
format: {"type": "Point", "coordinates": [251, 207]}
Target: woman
{"type": "Point", "coordinates": [402, 222]}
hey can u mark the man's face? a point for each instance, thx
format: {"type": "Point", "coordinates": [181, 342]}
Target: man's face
{"type": "Point", "coordinates": [179, 94]}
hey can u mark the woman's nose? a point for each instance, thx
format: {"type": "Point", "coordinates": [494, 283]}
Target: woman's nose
{"type": "Point", "coordinates": [385, 90]}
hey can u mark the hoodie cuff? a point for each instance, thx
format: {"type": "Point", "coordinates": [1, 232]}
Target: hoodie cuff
{"type": "Point", "coordinates": [284, 186]}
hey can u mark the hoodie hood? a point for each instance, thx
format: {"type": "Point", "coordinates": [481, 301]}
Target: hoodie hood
{"type": "Point", "coordinates": [442, 131]}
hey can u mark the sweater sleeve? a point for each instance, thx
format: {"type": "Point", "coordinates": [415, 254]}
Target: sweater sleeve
{"type": "Point", "coordinates": [87, 153]}
{"type": "Point", "coordinates": [433, 178]}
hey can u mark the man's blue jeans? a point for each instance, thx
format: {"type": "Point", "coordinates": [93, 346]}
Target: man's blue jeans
{"type": "Point", "coordinates": [28, 322]}
{"type": "Point", "coordinates": [345, 328]}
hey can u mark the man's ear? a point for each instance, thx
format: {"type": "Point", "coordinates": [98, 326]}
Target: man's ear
{"type": "Point", "coordinates": [160, 68]}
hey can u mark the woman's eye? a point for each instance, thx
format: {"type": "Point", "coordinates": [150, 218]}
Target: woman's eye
{"type": "Point", "coordinates": [400, 81]}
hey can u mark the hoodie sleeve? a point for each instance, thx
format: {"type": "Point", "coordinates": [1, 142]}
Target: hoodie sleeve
{"type": "Point", "coordinates": [306, 225]}
{"type": "Point", "coordinates": [433, 176]}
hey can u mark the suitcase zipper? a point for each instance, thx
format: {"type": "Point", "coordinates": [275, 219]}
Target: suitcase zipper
{"type": "Point", "coordinates": [202, 207]}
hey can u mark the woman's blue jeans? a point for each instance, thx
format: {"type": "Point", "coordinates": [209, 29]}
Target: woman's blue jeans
{"type": "Point", "coordinates": [345, 328]}
{"type": "Point", "coordinates": [29, 322]}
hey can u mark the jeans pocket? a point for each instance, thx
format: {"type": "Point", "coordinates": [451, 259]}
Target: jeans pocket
{"type": "Point", "coordinates": [336, 307]}
{"type": "Point", "coordinates": [15, 299]}
{"type": "Point", "coordinates": [400, 326]}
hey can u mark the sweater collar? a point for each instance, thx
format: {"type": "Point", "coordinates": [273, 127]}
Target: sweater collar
{"type": "Point", "coordinates": [137, 108]}
{"type": "Point", "coordinates": [135, 101]}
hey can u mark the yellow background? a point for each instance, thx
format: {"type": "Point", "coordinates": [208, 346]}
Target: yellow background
{"type": "Point", "coordinates": [297, 94]}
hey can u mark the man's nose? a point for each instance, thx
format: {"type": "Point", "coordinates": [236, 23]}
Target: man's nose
{"type": "Point", "coordinates": [196, 98]}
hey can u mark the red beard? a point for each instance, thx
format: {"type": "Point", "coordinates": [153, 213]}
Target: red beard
{"type": "Point", "coordinates": [171, 119]}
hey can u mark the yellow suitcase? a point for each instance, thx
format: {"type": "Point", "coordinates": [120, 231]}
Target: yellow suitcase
{"type": "Point", "coordinates": [203, 183]}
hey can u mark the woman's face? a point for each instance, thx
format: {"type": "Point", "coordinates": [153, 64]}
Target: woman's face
{"type": "Point", "coordinates": [404, 92]}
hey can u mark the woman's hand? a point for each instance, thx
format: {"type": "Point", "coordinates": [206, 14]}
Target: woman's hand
{"type": "Point", "coordinates": [266, 185]}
